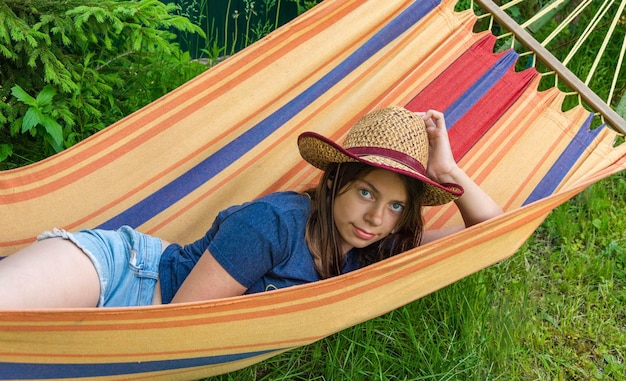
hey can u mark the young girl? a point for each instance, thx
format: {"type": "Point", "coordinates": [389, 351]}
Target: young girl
{"type": "Point", "coordinates": [366, 207]}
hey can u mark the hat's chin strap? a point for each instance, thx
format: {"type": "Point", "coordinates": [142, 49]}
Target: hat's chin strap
{"type": "Point", "coordinates": [388, 153]}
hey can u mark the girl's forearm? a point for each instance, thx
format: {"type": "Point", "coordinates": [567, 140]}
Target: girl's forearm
{"type": "Point", "coordinates": [475, 204]}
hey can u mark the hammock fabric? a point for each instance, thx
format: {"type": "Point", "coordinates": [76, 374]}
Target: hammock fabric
{"type": "Point", "coordinates": [229, 136]}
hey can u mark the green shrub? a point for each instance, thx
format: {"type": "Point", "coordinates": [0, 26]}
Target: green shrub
{"type": "Point", "coordinates": [71, 68]}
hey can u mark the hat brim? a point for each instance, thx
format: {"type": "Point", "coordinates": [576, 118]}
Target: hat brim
{"type": "Point", "coordinates": [320, 152]}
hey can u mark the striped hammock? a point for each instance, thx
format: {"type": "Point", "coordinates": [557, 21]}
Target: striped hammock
{"type": "Point", "coordinates": [229, 136]}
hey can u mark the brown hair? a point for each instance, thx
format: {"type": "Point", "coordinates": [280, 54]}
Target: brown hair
{"type": "Point", "coordinates": [323, 238]}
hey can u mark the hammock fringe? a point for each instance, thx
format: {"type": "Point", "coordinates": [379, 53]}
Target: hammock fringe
{"type": "Point", "coordinates": [229, 136]}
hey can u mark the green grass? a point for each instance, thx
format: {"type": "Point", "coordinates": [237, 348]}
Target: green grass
{"type": "Point", "coordinates": [576, 265]}
{"type": "Point", "coordinates": [556, 310]}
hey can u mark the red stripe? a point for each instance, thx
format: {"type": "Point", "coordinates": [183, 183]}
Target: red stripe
{"type": "Point", "coordinates": [473, 125]}
{"type": "Point", "coordinates": [457, 78]}
{"type": "Point", "coordinates": [394, 155]}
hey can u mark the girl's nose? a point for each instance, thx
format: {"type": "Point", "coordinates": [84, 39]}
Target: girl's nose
{"type": "Point", "coordinates": [375, 214]}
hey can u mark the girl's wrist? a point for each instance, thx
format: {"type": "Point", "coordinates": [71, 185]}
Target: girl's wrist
{"type": "Point", "coordinates": [453, 175]}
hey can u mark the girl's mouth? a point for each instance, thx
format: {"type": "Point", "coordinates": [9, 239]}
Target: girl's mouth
{"type": "Point", "coordinates": [363, 234]}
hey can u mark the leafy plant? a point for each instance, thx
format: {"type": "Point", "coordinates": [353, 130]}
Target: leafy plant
{"type": "Point", "coordinates": [71, 68]}
{"type": "Point", "coordinates": [40, 116]}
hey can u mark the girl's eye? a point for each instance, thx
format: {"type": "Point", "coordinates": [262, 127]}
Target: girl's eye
{"type": "Point", "coordinates": [397, 207]}
{"type": "Point", "coordinates": [365, 194]}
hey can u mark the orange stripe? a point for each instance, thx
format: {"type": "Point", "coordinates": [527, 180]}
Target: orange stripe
{"type": "Point", "coordinates": [339, 132]}
{"type": "Point", "coordinates": [174, 98]}
{"type": "Point", "coordinates": [174, 354]}
{"type": "Point", "coordinates": [523, 186]}
{"type": "Point", "coordinates": [431, 254]}
{"type": "Point", "coordinates": [19, 242]}
{"type": "Point", "coordinates": [176, 101]}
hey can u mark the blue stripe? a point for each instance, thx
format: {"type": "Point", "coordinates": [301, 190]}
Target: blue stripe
{"type": "Point", "coordinates": [584, 137]}
{"type": "Point", "coordinates": [220, 160]}
{"type": "Point", "coordinates": [482, 86]}
{"type": "Point", "coordinates": [21, 371]}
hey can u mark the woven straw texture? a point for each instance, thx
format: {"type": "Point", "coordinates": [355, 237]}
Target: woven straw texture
{"type": "Point", "coordinates": [394, 128]}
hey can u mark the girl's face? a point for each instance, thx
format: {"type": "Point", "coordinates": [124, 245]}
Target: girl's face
{"type": "Point", "coordinates": [368, 209]}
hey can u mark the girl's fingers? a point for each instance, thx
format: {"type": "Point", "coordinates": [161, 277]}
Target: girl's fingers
{"type": "Point", "coordinates": [433, 118]}
{"type": "Point", "coordinates": [427, 117]}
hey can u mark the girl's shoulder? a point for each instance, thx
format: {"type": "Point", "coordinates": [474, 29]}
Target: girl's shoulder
{"type": "Point", "coordinates": [286, 200]}
{"type": "Point", "coordinates": [277, 205]}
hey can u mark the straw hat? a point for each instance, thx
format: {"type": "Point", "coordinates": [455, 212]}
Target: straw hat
{"type": "Point", "coordinates": [391, 138]}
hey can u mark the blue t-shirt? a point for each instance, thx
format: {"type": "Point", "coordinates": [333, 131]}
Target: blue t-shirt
{"type": "Point", "coordinates": [259, 243]}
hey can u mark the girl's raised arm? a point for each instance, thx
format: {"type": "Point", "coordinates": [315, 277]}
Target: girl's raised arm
{"type": "Point", "coordinates": [475, 204]}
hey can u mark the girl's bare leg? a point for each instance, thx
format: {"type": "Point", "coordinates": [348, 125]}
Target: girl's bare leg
{"type": "Point", "coordinates": [52, 273]}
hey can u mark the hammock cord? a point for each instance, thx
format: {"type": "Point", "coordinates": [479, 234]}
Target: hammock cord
{"type": "Point", "coordinates": [510, 4]}
{"type": "Point", "coordinates": [517, 32]}
{"type": "Point", "coordinates": [566, 22]}
{"type": "Point", "coordinates": [593, 25]}
{"type": "Point", "coordinates": [605, 42]}
{"type": "Point", "coordinates": [585, 34]}
{"type": "Point", "coordinates": [543, 12]}
{"type": "Point", "coordinates": [619, 69]}
{"type": "Point", "coordinates": [616, 19]}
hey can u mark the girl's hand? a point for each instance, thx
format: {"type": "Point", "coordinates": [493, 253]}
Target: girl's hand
{"type": "Point", "coordinates": [475, 205]}
{"type": "Point", "coordinates": [441, 163]}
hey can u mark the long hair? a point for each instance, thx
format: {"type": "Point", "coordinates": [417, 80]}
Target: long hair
{"type": "Point", "coordinates": [323, 238]}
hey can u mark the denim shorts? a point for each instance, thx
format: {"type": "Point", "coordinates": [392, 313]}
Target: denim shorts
{"type": "Point", "coordinates": [127, 263]}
